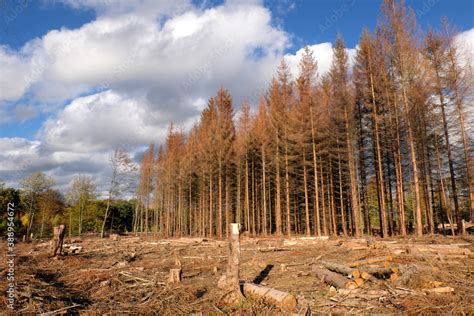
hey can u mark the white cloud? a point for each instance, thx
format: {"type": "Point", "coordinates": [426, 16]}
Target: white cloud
{"type": "Point", "coordinates": [323, 55]}
{"type": "Point", "coordinates": [465, 43]}
{"type": "Point", "coordinates": [100, 122]}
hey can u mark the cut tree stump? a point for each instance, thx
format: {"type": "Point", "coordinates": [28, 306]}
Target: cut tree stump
{"type": "Point", "coordinates": [370, 261]}
{"type": "Point", "coordinates": [175, 276]}
{"type": "Point", "coordinates": [333, 278]}
{"type": "Point", "coordinates": [283, 300]}
{"type": "Point", "coordinates": [58, 239]}
{"type": "Point", "coordinates": [230, 281]}
{"type": "Point", "coordinates": [340, 268]}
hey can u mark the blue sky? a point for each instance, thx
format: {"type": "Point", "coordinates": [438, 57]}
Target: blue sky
{"type": "Point", "coordinates": [78, 78]}
{"type": "Point", "coordinates": [309, 21]}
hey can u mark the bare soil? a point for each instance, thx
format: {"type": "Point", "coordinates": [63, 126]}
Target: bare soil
{"type": "Point", "coordinates": [130, 275]}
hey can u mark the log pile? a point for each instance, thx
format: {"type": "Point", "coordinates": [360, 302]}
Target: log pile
{"type": "Point", "coordinates": [357, 273]}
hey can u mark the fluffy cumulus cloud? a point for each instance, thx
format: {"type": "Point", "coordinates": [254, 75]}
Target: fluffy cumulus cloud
{"type": "Point", "coordinates": [135, 68]}
{"type": "Point", "coordinates": [322, 54]}
{"type": "Point", "coordinates": [121, 78]}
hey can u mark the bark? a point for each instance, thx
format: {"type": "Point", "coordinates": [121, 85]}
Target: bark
{"type": "Point", "coordinates": [333, 278]}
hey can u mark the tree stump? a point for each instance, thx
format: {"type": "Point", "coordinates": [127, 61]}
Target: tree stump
{"type": "Point", "coordinates": [58, 238]}
{"type": "Point", "coordinates": [230, 281]}
{"type": "Point", "coordinates": [175, 275]}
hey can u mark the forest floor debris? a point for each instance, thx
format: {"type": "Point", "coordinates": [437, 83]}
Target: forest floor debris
{"type": "Point", "coordinates": [130, 274]}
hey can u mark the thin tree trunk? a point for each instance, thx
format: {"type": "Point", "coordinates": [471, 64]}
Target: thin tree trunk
{"type": "Point", "coordinates": [353, 181]}
{"type": "Point", "coordinates": [323, 196]}
{"type": "Point", "coordinates": [247, 199]}
{"type": "Point", "coordinates": [278, 189]}
{"type": "Point", "coordinates": [264, 199]}
{"type": "Point", "coordinates": [287, 190]}
{"type": "Point", "coordinates": [341, 197]}
{"type": "Point", "coordinates": [317, 225]}
{"type": "Point", "coordinates": [219, 218]}
{"type": "Point", "coordinates": [306, 202]}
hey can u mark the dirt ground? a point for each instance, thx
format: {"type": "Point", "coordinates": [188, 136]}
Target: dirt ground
{"type": "Point", "coordinates": [130, 275]}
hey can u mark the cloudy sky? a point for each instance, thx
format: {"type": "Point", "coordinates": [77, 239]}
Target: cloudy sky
{"type": "Point", "coordinates": [79, 78]}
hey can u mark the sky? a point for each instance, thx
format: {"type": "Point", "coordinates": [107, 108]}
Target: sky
{"type": "Point", "coordinates": [80, 78]}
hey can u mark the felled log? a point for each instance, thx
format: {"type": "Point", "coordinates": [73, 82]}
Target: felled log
{"type": "Point", "coordinates": [283, 300]}
{"type": "Point", "coordinates": [370, 261]}
{"type": "Point", "coordinates": [355, 245]}
{"type": "Point", "coordinates": [438, 249]}
{"type": "Point", "coordinates": [406, 275]}
{"type": "Point", "coordinates": [304, 240]}
{"type": "Point", "coordinates": [333, 278]}
{"type": "Point", "coordinates": [440, 290]}
{"type": "Point", "coordinates": [340, 268]}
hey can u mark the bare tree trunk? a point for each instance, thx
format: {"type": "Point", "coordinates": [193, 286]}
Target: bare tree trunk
{"type": "Point", "coordinates": [247, 198]}
{"type": "Point", "coordinates": [363, 176]}
{"type": "Point", "coordinates": [227, 205]}
{"type": "Point", "coordinates": [219, 218]}
{"type": "Point", "coordinates": [253, 198]}
{"type": "Point", "coordinates": [239, 193]}
{"type": "Point", "coordinates": [30, 217]}
{"type": "Point", "coordinates": [352, 176]}
{"type": "Point", "coordinates": [317, 225]}
{"type": "Point", "coordinates": [323, 196]}
{"type": "Point", "coordinates": [341, 196]}
{"type": "Point", "coordinates": [105, 216]}
{"type": "Point", "coordinates": [264, 199]}
{"type": "Point", "coordinates": [287, 190]}
{"type": "Point", "coordinates": [211, 229]}
{"type": "Point", "coordinates": [333, 210]}
{"type": "Point", "coordinates": [411, 142]}
{"type": "Point", "coordinates": [306, 202]}
{"type": "Point", "coordinates": [445, 200]}
{"type": "Point", "coordinates": [378, 159]}
{"type": "Point", "coordinates": [278, 188]}
{"type": "Point", "coordinates": [457, 211]}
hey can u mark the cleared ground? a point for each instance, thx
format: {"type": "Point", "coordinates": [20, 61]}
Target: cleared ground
{"type": "Point", "coordinates": [131, 275]}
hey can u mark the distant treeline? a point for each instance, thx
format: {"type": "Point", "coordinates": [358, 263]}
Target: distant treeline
{"type": "Point", "coordinates": [39, 207]}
